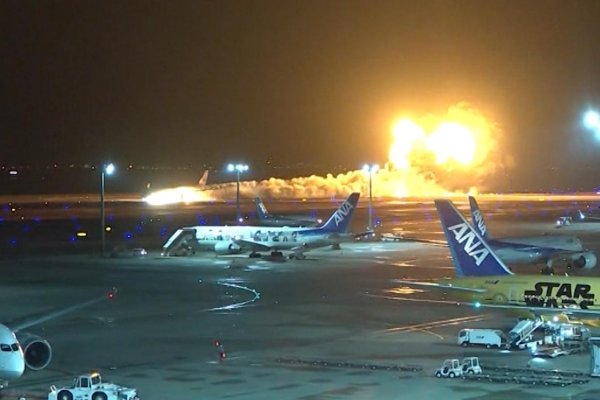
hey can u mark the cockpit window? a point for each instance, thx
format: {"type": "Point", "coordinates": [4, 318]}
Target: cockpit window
{"type": "Point", "coordinates": [4, 347]}
{"type": "Point", "coordinates": [14, 346]}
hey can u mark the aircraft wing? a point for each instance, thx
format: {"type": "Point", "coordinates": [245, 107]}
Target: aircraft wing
{"type": "Point", "coordinates": [251, 244]}
{"type": "Point", "coordinates": [20, 324]}
{"type": "Point", "coordinates": [300, 248]}
{"type": "Point", "coordinates": [439, 286]}
{"type": "Point", "coordinates": [440, 243]}
{"type": "Point", "coordinates": [576, 312]}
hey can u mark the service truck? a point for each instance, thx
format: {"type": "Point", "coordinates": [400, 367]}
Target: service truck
{"type": "Point", "coordinates": [91, 387]}
{"type": "Point", "coordinates": [483, 337]}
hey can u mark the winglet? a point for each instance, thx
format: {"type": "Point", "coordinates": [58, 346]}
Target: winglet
{"type": "Point", "coordinates": [471, 255]}
{"type": "Point", "coordinates": [477, 218]}
{"type": "Point", "coordinates": [340, 219]}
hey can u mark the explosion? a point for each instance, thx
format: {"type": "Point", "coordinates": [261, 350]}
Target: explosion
{"type": "Point", "coordinates": [430, 156]}
{"type": "Point", "coordinates": [463, 139]}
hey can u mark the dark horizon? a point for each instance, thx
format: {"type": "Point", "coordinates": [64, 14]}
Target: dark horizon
{"type": "Point", "coordinates": [319, 83]}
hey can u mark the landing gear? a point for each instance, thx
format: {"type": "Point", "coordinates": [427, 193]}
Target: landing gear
{"type": "Point", "coordinates": [276, 254]}
{"type": "Point", "coordinates": [547, 271]}
{"type": "Point", "coordinates": [254, 255]}
{"type": "Point", "coordinates": [335, 246]}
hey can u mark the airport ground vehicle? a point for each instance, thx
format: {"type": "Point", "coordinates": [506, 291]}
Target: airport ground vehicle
{"type": "Point", "coordinates": [483, 337]}
{"type": "Point", "coordinates": [548, 352]}
{"type": "Point", "coordinates": [392, 237]}
{"type": "Point", "coordinates": [470, 365]}
{"type": "Point", "coordinates": [124, 252]}
{"type": "Point", "coordinates": [90, 386]}
{"type": "Point", "coordinates": [451, 368]}
{"type": "Point", "coordinates": [563, 221]}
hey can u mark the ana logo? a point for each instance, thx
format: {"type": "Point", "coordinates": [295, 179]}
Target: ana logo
{"type": "Point", "coordinates": [479, 221]}
{"type": "Point", "coordinates": [342, 212]}
{"type": "Point", "coordinates": [473, 247]}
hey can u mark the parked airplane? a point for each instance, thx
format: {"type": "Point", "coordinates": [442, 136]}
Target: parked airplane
{"type": "Point", "coordinates": [268, 219]}
{"type": "Point", "coordinates": [546, 249]}
{"type": "Point", "coordinates": [485, 281]}
{"type": "Point", "coordinates": [238, 239]}
{"type": "Point", "coordinates": [180, 194]}
{"type": "Point", "coordinates": [19, 349]}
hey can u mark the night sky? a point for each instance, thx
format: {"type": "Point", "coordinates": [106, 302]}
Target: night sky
{"type": "Point", "coordinates": [289, 81]}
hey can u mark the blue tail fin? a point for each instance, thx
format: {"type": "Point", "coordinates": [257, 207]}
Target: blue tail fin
{"type": "Point", "coordinates": [477, 218]}
{"type": "Point", "coordinates": [261, 210]}
{"type": "Point", "coordinates": [340, 219]}
{"type": "Point", "coordinates": [470, 253]}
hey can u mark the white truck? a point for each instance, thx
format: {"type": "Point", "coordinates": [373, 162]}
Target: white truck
{"type": "Point", "coordinates": [91, 387]}
{"type": "Point", "coordinates": [483, 337]}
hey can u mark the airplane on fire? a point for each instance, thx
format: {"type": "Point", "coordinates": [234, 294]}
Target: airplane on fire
{"type": "Point", "coordinates": [546, 249]}
{"type": "Point", "coordinates": [268, 219]}
{"type": "Point", "coordinates": [237, 239]}
{"type": "Point", "coordinates": [20, 350]}
{"type": "Point", "coordinates": [484, 281]}
{"type": "Point", "coordinates": [181, 194]}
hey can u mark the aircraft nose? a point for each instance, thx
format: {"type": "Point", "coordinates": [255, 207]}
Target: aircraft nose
{"type": "Point", "coordinates": [13, 367]}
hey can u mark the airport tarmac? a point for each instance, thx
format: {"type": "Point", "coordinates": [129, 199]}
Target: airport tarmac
{"type": "Point", "coordinates": [330, 326]}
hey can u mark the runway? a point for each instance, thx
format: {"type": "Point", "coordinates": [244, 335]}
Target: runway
{"type": "Point", "coordinates": [335, 307]}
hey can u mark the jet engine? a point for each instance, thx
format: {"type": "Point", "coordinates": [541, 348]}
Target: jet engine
{"type": "Point", "coordinates": [227, 248]}
{"type": "Point", "coordinates": [37, 351]}
{"type": "Point", "coordinates": [585, 260]}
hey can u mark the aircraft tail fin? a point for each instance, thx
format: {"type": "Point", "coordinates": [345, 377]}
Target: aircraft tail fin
{"type": "Point", "coordinates": [471, 255]}
{"type": "Point", "coordinates": [203, 179]}
{"type": "Point", "coordinates": [477, 218]}
{"type": "Point", "coordinates": [341, 218]}
{"type": "Point", "coordinates": [261, 210]}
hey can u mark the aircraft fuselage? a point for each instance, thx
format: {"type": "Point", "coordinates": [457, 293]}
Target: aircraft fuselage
{"type": "Point", "coordinates": [535, 291]}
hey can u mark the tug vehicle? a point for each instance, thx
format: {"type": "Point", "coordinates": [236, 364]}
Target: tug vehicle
{"type": "Point", "coordinates": [470, 365]}
{"type": "Point", "coordinates": [451, 368]}
{"type": "Point", "coordinates": [91, 387]}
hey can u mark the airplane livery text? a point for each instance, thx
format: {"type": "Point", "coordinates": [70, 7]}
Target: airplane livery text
{"type": "Point", "coordinates": [343, 211]}
{"type": "Point", "coordinates": [480, 222]}
{"type": "Point", "coordinates": [472, 246]}
{"type": "Point", "coordinates": [548, 294]}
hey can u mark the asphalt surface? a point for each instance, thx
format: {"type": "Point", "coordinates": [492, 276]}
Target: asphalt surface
{"type": "Point", "coordinates": [331, 326]}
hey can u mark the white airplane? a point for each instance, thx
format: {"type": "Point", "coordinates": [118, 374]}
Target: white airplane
{"type": "Point", "coordinates": [534, 249]}
{"type": "Point", "coordinates": [180, 194]}
{"type": "Point", "coordinates": [20, 350]}
{"type": "Point", "coordinates": [238, 239]}
{"type": "Point", "coordinates": [268, 219]}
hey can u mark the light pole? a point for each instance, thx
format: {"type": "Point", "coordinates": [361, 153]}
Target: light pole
{"type": "Point", "coordinates": [107, 169]}
{"type": "Point", "coordinates": [237, 168]}
{"type": "Point", "coordinates": [370, 169]}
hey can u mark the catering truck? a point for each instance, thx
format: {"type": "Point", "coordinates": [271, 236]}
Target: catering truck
{"type": "Point", "coordinates": [482, 337]}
